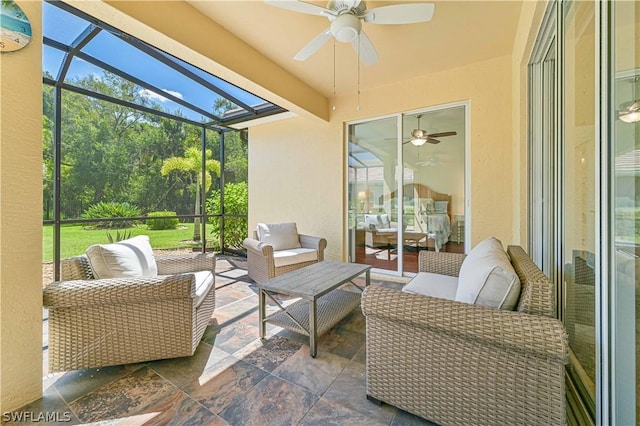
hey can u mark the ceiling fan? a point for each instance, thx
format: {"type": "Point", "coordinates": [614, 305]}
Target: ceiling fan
{"type": "Point", "coordinates": [419, 137]}
{"type": "Point", "coordinates": [346, 18]}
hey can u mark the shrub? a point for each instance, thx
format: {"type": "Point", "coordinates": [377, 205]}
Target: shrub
{"type": "Point", "coordinates": [111, 210]}
{"type": "Point", "coordinates": [162, 223]}
{"type": "Point", "coordinates": [236, 201]}
{"type": "Point", "coordinates": [119, 237]}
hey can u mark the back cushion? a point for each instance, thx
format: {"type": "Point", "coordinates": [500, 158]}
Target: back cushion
{"type": "Point", "coordinates": [377, 221]}
{"type": "Point", "coordinates": [281, 236]}
{"type": "Point", "coordinates": [126, 258]}
{"type": "Point", "coordinates": [487, 277]}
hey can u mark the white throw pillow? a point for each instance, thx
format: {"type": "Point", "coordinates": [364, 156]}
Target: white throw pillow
{"type": "Point", "coordinates": [487, 277]}
{"type": "Point", "coordinates": [281, 236]}
{"type": "Point", "coordinates": [126, 258]}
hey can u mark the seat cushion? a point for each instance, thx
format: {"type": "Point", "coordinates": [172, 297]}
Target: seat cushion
{"type": "Point", "coordinates": [281, 236]}
{"type": "Point", "coordinates": [127, 258]}
{"type": "Point", "coordinates": [433, 285]}
{"type": "Point", "coordinates": [487, 277]}
{"type": "Point", "coordinates": [293, 256]}
{"type": "Point", "coordinates": [204, 283]}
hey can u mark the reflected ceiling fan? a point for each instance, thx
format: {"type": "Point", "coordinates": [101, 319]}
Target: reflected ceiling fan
{"type": "Point", "coordinates": [346, 18]}
{"type": "Point", "coordinates": [419, 136]}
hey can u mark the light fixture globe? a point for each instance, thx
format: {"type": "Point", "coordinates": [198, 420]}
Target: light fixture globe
{"type": "Point", "coordinates": [630, 113]}
{"type": "Point", "coordinates": [418, 141]}
{"type": "Point", "coordinates": [346, 27]}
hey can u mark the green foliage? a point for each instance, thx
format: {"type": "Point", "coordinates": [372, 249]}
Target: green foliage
{"type": "Point", "coordinates": [628, 223]}
{"type": "Point", "coordinates": [236, 201]}
{"type": "Point", "coordinates": [111, 153]}
{"type": "Point", "coordinates": [119, 237]}
{"type": "Point", "coordinates": [109, 210]}
{"type": "Point", "coordinates": [166, 223]}
{"type": "Point", "coordinates": [191, 164]}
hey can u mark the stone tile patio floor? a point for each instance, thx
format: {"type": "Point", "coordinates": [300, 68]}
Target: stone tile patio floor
{"type": "Point", "coordinates": [233, 378]}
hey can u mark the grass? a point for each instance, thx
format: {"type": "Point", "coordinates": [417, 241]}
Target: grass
{"type": "Point", "coordinates": [75, 239]}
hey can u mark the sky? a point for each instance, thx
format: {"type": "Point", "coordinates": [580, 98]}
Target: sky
{"type": "Point", "coordinates": [64, 27]}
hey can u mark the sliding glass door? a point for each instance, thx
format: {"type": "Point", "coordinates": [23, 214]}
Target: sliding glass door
{"type": "Point", "coordinates": [395, 212]}
{"type": "Point", "coordinates": [624, 244]}
{"type": "Point", "coordinates": [373, 211]}
{"type": "Point", "coordinates": [592, 248]}
{"type": "Point", "coordinates": [579, 193]}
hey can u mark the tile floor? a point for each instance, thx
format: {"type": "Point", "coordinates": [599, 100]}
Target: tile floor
{"type": "Point", "coordinates": [233, 378]}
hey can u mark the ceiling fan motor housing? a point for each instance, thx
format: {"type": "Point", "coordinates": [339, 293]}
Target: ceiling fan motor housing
{"type": "Point", "coordinates": [346, 27]}
{"type": "Point", "coordinates": [342, 6]}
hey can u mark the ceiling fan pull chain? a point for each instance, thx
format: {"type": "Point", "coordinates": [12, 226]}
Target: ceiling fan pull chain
{"type": "Point", "coordinates": [334, 74]}
{"type": "Point", "coordinates": [358, 61]}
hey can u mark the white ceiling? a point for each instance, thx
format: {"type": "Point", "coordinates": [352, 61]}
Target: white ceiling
{"type": "Point", "coordinates": [461, 32]}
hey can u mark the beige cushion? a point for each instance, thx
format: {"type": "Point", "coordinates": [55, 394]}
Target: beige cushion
{"type": "Point", "coordinates": [433, 285]}
{"type": "Point", "coordinates": [293, 256]}
{"type": "Point", "coordinates": [126, 258]}
{"type": "Point", "coordinates": [281, 236]}
{"type": "Point", "coordinates": [487, 277]}
{"type": "Point", "coordinates": [204, 282]}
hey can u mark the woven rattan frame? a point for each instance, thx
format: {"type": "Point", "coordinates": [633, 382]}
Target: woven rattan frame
{"type": "Point", "coordinates": [460, 364]}
{"type": "Point", "coordinates": [100, 322]}
{"type": "Point", "coordinates": [260, 263]}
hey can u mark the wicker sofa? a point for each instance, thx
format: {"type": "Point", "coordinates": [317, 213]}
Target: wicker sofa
{"type": "Point", "coordinates": [112, 321]}
{"type": "Point", "coordinates": [456, 363]}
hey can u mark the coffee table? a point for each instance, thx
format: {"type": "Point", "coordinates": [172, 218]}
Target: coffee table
{"type": "Point", "coordinates": [322, 304]}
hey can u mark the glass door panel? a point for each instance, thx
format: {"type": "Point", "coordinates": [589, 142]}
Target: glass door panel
{"type": "Point", "coordinates": [434, 183]}
{"type": "Point", "coordinates": [625, 247]}
{"type": "Point", "coordinates": [373, 212]}
{"type": "Point", "coordinates": [579, 195]}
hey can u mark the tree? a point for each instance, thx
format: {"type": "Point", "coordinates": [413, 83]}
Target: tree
{"type": "Point", "coordinates": [236, 201]}
{"type": "Point", "coordinates": [191, 165]}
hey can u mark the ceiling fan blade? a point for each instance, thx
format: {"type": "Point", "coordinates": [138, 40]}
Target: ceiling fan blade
{"type": "Point", "coordinates": [409, 13]}
{"type": "Point", "coordinates": [312, 47]}
{"type": "Point", "coordinates": [433, 141]}
{"type": "Point", "coordinates": [300, 6]}
{"type": "Point", "coordinates": [440, 135]}
{"type": "Point", "coordinates": [365, 49]}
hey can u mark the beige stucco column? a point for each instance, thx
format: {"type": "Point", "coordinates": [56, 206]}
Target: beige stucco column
{"type": "Point", "coordinates": [21, 219]}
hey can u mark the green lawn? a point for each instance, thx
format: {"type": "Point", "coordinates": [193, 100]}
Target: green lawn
{"type": "Point", "coordinates": [75, 238]}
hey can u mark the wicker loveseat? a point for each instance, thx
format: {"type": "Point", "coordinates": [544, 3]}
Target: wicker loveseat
{"type": "Point", "coordinates": [456, 363]}
{"type": "Point", "coordinates": [112, 321]}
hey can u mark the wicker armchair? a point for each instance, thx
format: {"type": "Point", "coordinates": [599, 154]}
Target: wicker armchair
{"type": "Point", "coordinates": [261, 257]}
{"type": "Point", "coordinates": [459, 364]}
{"type": "Point", "coordinates": [100, 322]}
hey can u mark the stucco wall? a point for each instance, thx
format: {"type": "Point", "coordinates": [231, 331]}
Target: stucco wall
{"type": "Point", "coordinates": [21, 219]}
{"type": "Point", "coordinates": [296, 175]}
{"type": "Point", "coordinates": [297, 165]}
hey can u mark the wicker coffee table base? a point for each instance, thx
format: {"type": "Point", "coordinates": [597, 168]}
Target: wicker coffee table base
{"type": "Point", "coordinates": [306, 316]}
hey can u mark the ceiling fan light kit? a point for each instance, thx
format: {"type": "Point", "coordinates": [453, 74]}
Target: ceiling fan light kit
{"type": "Point", "coordinates": [418, 141]}
{"type": "Point", "coordinates": [630, 113]}
{"type": "Point", "coordinates": [345, 28]}
{"type": "Point", "coordinates": [346, 16]}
